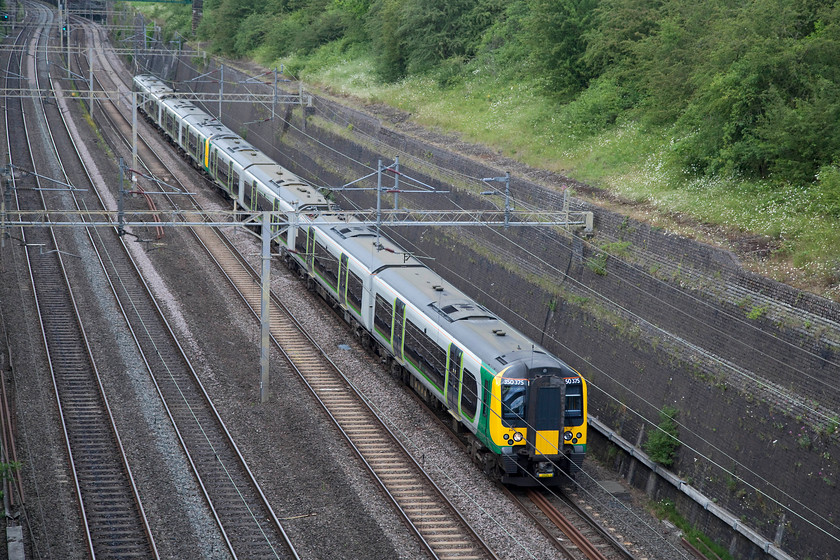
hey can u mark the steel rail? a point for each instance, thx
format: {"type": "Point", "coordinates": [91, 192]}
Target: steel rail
{"type": "Point", "coordinates": [7, 200]}
{"type": "Point", "coordinates": [231, 527]}
{"type": "Point", "coordinates": [65, 430]}
{"type": "Point", "coordinates": [582, 543]}
{"type": "Point", "coordinates": [73, 390]}
{"type": "Point", "coordinates": [144, 523]}
{"type": "Point", "coordinates": [13, 494]}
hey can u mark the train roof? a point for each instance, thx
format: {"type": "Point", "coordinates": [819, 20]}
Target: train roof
{"type": "Point", "coordinates": [207, 125]}
{"type": "Point", "coordinates": [494, 342]}
{"type": "Point", "coordinates": [152, 84]}
{"type": "Point", "coordinates": [289, 187]}
{"type": "Point", "coordinates": [359, 241]}
{"type": "Point", "coordinates": [238, 149]}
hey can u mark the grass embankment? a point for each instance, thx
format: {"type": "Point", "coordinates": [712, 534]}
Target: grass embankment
{"type": "Point", "coordinates": [632, 161]}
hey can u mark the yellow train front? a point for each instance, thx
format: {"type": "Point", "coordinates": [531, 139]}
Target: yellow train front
{"type": "Point", "coordinates": [536, 425]}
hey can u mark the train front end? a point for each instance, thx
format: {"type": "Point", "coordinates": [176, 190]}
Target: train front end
{"type": "Point", "coordinates": [537, 421]}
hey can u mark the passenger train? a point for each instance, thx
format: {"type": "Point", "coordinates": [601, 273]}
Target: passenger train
{"type": "Point", "coordinates": [525, 408]}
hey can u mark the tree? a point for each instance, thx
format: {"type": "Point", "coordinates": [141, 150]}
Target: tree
{"type": "Point", "coordinates": [223, 19]}
{"type": "Point", "coordinates": [383, 25]}
{"type": "Point", "coordinates": [557, 31]}
{"type": "Point", "coordinates": [766, 91]}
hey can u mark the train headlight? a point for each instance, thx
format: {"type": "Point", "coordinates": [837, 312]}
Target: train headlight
{"type": "Point", "coordinates": [517, 436]}
{"type": "Point", "coordinates": [567, 436]}
{"type": "Point", "coordinates": [579, 435]}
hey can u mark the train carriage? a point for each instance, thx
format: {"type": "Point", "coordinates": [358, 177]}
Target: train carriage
{"type": "Point", "coordinates": [525, 408]}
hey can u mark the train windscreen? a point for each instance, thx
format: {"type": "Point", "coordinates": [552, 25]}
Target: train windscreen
{"type": "Point", "coordinates": [574, 405]}
{"type": "Point", "coordinates": [513, 405]}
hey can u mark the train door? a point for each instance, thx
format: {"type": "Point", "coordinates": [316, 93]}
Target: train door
{"type": "Point", "coordinates": [545, 414]}
{"type": "Point", "coordinates": [252, 198]}
{"type": "Point", "coordinates": [200, 154]}
{"type": "Point", "coordinates": [399, 315]}
{"type": "Point", "coordinates": [212, 167]}
{"type": "Point", "coordinates": [310, 248]}
{"type": "Point", "coordinates": [279, 226]}
{"type": "Point", "coordinates": [453, 378]}
{"type": "Point", "coordinates": [342, 279]}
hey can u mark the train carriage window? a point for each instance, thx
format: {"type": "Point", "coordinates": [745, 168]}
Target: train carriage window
{"type": "Point", "coordinates": [425, 355]}
{"type": "Point", "coordinates": [513, 405]}
{"type": "Point", "coordinates": [234, 183]}
{"type": "Point", "coordinates": [326, 265]}
{"type": "Point", "coordinates": [192, 142]}
{"type": "Point", "coordinates": [382, 317]}
{"type": "Point", "coordinates": [355, 289]}
{"type": "Point", "coordinates": [223, 170]}
{"type": "Point", "coordinates": [469, 394]}
{"type": "Point", "coordinates": [300, 242]}
{"type": "Point", "coordinates": [263, 203]}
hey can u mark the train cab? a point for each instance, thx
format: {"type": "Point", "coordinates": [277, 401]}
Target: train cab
{"type": "Point", "coordinates": [537, 418]}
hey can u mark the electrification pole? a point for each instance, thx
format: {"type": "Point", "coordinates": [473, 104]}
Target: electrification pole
{"type": "Point", "coordinates": [265, 326]}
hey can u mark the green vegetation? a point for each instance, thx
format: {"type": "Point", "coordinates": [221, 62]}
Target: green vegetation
{"type": "Point", "coordinates": [666, 509]}
{"type": "Point", "coordinates": [757, 312]}
{"type": "Point", "coordinates": [174, 18]}
{"type": "Point", "coordinates": [7, 471]}
{"type": "Point", "coordinates": [722, 111]}
{"type": "Point", "coordinates": [662, 443]}
{"type": "Point", "coordinates": [618, 248]}
{"type": "Point", "coordinates": [598, 263]}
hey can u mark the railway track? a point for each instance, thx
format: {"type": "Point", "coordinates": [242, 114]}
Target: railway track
{"type": "Point", "coordinates": [579, 535]}
{"type": "Point", "coordinates": [13, 494]}
{"type": "Point", "coordinates": [112, 516]}
{"type": "Point", "coordinates": [248, 525]}
{"type": "Point", "coordinates": [423, 506]}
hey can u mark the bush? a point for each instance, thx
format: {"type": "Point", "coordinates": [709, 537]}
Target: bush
{"type": "Point", "coordinates": [596, 108]}
{"type": "Point", "coordinates": [826, 195]}
{"type": "Point", "coordinates": [662, 443]}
